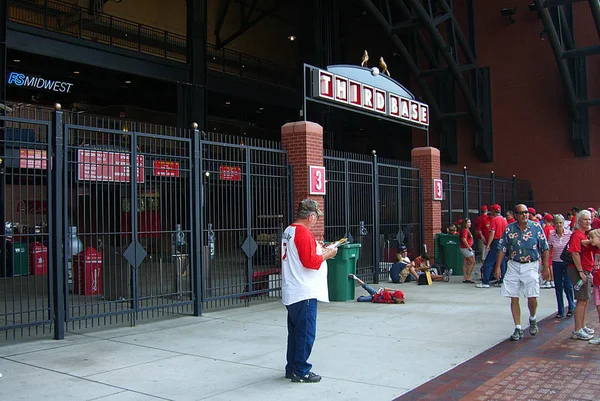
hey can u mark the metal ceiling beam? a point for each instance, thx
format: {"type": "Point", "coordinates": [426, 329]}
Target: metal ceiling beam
{"type": "Point", "coordinates": [589, 102]}
{"type": "Point", "coordinates": [595, 7]}
{"type": "Point", "coordinates": [404, 27]}
{"type": "Point", "coordinates": [438, 39]}
{"type": "Point", "coordinates": [568, 34]}
{"type": "Point", "coordinates": [445, 70]}
{"type": "Point", "coordinates": [246, 22]}
{"type": "Point", "coordinates": [558, 54]}
{"type": "Point", "coordinates": [462, 40]}
{"type": "Point", "coordinates": [582, 51]}
{"type": "Point", "coordinates": [552, 3]}
{"type": "Point", "coordinates": [412, 66]}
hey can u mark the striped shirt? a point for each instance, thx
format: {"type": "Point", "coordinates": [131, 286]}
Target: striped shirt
{"type": "Point", "coordinates": [559, 243]}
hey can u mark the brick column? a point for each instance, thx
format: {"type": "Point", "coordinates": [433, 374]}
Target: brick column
{"type": "Point", "coordinates": [304, 142]}
{"type": "Point", "coordinates": [427, 160]}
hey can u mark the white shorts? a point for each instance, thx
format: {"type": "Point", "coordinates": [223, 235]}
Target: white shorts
{"type": "Point", "coordinates": [521, 278]}
{"type": "Point", "coordinates": [466, 252]}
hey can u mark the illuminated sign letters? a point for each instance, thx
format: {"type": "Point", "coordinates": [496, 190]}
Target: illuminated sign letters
{"type": "Point", "coordinates": [30, 81]}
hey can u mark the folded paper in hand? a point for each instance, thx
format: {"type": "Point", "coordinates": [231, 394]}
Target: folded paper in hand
{"type": "Point", "coordinates": [337, 243]}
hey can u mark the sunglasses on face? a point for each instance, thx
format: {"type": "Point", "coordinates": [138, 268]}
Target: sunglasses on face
{"type": "Point", "coordinates": [523, 212]}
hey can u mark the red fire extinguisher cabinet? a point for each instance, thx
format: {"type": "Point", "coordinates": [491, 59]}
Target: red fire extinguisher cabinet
{"type": "Point", "coordinates": [87, 272]}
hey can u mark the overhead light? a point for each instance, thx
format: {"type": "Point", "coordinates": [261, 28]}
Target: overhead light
{"type": "Point", "coordinates": [17, 60]}
{"type": "Point", "coordinates": [291, 38]}
{"type": "Point", "coordinates": [228, 103]}
{"type": "Point", "coordinates": [243, 66]}
{"type": "Point", "coordinates": [509, 12]}
{"type": "Point", "coordinates": [261, 108]}
{"type": "Point", "coordinates": [75, 72]}
{"type": "Point", "coordinates": [128, 82]}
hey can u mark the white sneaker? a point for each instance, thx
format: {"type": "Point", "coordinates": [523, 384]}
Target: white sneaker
{"type": "Point", "coordinates": [588, 330]}
{"type": "Point", "coordinates": [546, 285]}
{"type": "Point", "coordinates": [481, 285]}
{"type": "Point", "coordinates": [552, 284]}
{"type": "Point", "coordinates": [581, 335]}
{"type": "Point", "coordinates": [595, 341]}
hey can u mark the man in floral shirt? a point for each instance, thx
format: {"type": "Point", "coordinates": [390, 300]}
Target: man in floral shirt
{"type": "Point", "coordinates": [523, 244]}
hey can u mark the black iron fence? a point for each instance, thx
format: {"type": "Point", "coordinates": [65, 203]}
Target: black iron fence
{"type": "Point", "coordinates": [106, 222]}
{"type": "Point", "coordinates": [374, 202]}
{"type": "Point", "coordinates": [83, 23]}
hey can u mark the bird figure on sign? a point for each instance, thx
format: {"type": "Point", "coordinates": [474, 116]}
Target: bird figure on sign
{"type": "Point", "coordinates": [365, 58]}
{"type": "Point", "coordinates": [383, 66]}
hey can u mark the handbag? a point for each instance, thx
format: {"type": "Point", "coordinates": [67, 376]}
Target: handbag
{"type": "Point", "coordinates": [565, 256]}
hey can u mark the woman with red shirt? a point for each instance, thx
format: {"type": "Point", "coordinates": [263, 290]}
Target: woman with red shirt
{"type": "Point", "coordinates": [581, 269]}
{"type": "Point", "coordinates": [466, 248]}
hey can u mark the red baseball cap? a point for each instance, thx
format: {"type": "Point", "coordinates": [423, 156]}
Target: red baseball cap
{"type": "Point", "coordinates": [484, 208]}
{"type": "Point", "coordinates": [531, 210]}
{"type": "Point", "coordinates": [591, 209]}
{"type": "Point", "coordinates": [548, 217]}
{"type": "Point", "coordinates": [495, 208]}
{"type": "Point", "coordinates": [459, 222]}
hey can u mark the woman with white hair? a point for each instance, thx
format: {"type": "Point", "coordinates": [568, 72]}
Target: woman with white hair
{"type": "Point", "coordinates": [581, 270]}
{"type": "Point", "coordinates": [557, 240]}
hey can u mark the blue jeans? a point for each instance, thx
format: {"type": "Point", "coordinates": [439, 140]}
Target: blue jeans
{"type": "Point", "coordinates": [367, 298]}
{"type": "Point", "coordinates": [302, 330]}
{"type": "Point", "coordinates": [490, 262]}
{"type": "Point", "coordinates": [562, 283]}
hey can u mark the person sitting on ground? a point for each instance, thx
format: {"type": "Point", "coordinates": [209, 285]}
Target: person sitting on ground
{"type": "Point", "coordinates": [403, 267]}
{"type": "Point", "coordinates": [421, 265]}
{"type": "Point", "coordinates": [383, 295]}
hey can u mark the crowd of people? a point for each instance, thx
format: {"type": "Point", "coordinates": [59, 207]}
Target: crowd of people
{"type": "Point", "coordinates": [523, 251]}
{"type": "Point", "coordinates": [529, 254]}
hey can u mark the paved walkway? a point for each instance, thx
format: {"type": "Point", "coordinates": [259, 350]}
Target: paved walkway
{"type": "Point", "coordinates": [363, 351]}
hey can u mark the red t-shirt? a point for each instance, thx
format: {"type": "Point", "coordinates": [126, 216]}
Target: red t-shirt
{"type": "Point", "coordinates": [479, 222]}
{"type": "Point", "coordinates": [547, 230]}
{"type": "Point", "coordinates": [510, 220]}
{"type": "Point", "coordinates": [498, 224]}
{"type": "Point", "coordinates": [465, 233]}
{"type": "Point", "coordinates": [595, 223]}
{"type": "Point", "coordinates": [485, 227]}
{"type": "Point", "coordinates": [573, 219]}
{"type": "Point", "coordinates": [587, 252]}
{"type": "Point", "coordinates": [596, 280]}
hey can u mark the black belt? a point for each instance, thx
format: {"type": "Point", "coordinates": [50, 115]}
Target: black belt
{"type": "Point", "coordinates": [529, 261]}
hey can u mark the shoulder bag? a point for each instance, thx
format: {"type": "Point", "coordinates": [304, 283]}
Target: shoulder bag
{"type": "Point", "coordinates": [565, 256]}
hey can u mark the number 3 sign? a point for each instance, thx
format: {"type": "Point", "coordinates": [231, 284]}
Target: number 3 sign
{"type": "Point", "coordinates": [438, 190]}
{"type": "Point", "coordinates": [316, 180]}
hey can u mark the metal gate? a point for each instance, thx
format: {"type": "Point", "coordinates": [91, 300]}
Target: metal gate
{"type": "Point", "coordinates": [128, 220]}
{"type": "Point", "coordinates": [376, 203]}
{"type": "Point", "coordinates": [246, 205]}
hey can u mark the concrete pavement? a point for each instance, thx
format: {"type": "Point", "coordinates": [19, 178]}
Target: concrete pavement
{"type": "Point", "coordinates": [363, 350]}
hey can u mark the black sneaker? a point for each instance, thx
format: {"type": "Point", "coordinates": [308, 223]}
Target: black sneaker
{"type": "Point", "coordinates": [517, 335]}
{"type": "Point", "coordinates": [288, 375]}
{"type": "Point", "coordinates": [309, 378]}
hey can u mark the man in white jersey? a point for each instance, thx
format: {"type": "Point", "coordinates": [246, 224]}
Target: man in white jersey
{"type": "Point", "coordinates": [304, 282]}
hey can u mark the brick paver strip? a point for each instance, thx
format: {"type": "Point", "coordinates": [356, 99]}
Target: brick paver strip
{"type": "Point", "coordinates": [550, 366]}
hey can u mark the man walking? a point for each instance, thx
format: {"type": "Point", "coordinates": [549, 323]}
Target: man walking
{"type": "Point", "coordinates": [304, 282]}
{"type": "Point", "coordinates": [523, 243]}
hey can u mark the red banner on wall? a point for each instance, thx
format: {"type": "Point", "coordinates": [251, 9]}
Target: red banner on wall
{"type": "Point", "coordinates": [164, 168]}
{"type": "Point", "coordinates": [99, 165]}
{"type": "Point", "coordinates": [229, 173]}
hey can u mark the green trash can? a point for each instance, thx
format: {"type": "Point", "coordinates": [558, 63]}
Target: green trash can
{"type": "Point", "coordinates": [18, 259]}
{"type": "Point", "coordinates": [450, 250]}
{"type": "Point", "coordinates": [341, 288]}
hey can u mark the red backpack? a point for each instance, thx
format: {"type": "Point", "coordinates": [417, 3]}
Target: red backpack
{"type": "Point", "coordinates": [389, 297]}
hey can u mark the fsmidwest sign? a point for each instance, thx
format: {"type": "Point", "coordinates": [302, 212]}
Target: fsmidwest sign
{"type": "Point", "coordinates": [362, 92]}
{"type": "Point", "coordinates": [30, 81]}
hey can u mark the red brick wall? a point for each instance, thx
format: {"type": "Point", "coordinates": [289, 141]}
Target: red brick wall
{"type": "Point", "coordinates": [304, 142]}
{"type": "Point", "coordinates": [531, 123]}
{"type": "Point", "coordinates": [427, 160]}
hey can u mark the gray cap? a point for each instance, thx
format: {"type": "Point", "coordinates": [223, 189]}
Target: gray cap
{"type": "Point", "coordinates": [308, 206]}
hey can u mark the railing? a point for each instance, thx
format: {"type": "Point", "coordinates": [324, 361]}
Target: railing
{"type": "Point", "coordinates": [106, 29]}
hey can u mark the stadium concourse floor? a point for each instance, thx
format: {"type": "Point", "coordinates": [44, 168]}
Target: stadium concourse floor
{"type": "Point", "coordinates": [447, 342]}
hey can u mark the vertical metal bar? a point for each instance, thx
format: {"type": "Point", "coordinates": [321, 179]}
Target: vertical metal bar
{"type": "Point", "coordinates": [139, 37]}
{"type": "Point", "coordinates": [80, 18]}
{"type": "Point", "coordinates": [400, 202]}
{"type": "Point", "coordinates": [197, 251]}
{"type": "Point", "coordinates": [449, 199]}
{"type": "Point", "coordinates": [422, 216]}
{"type": "Point", "coordinates": [56, 223]}
{"type": "Point", "coordinates": [492, 188]}
{"type": "Point", "coordinates": [110, 30]}
{"type": "Point", "coordinates": [248, 219]}
{"type": "Point", "coordinates": [479, 205]}
{"type": "Point", "coordinates": [135, 296]}
{"type": "Point", "coordinates": [45, 14]}
{"type": "Point", "coordinates": [304, 113]}
{"type": "Point", "coordinates": [346, 196]}
{"type": "Point", "coordinates": [514, 194]}
{"type": "Point", "coordinates": [465, 193]}
{"type": "Point", "coordinates": [166, 46]}
{"type": "Point", "coordinates": [376, 215]}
